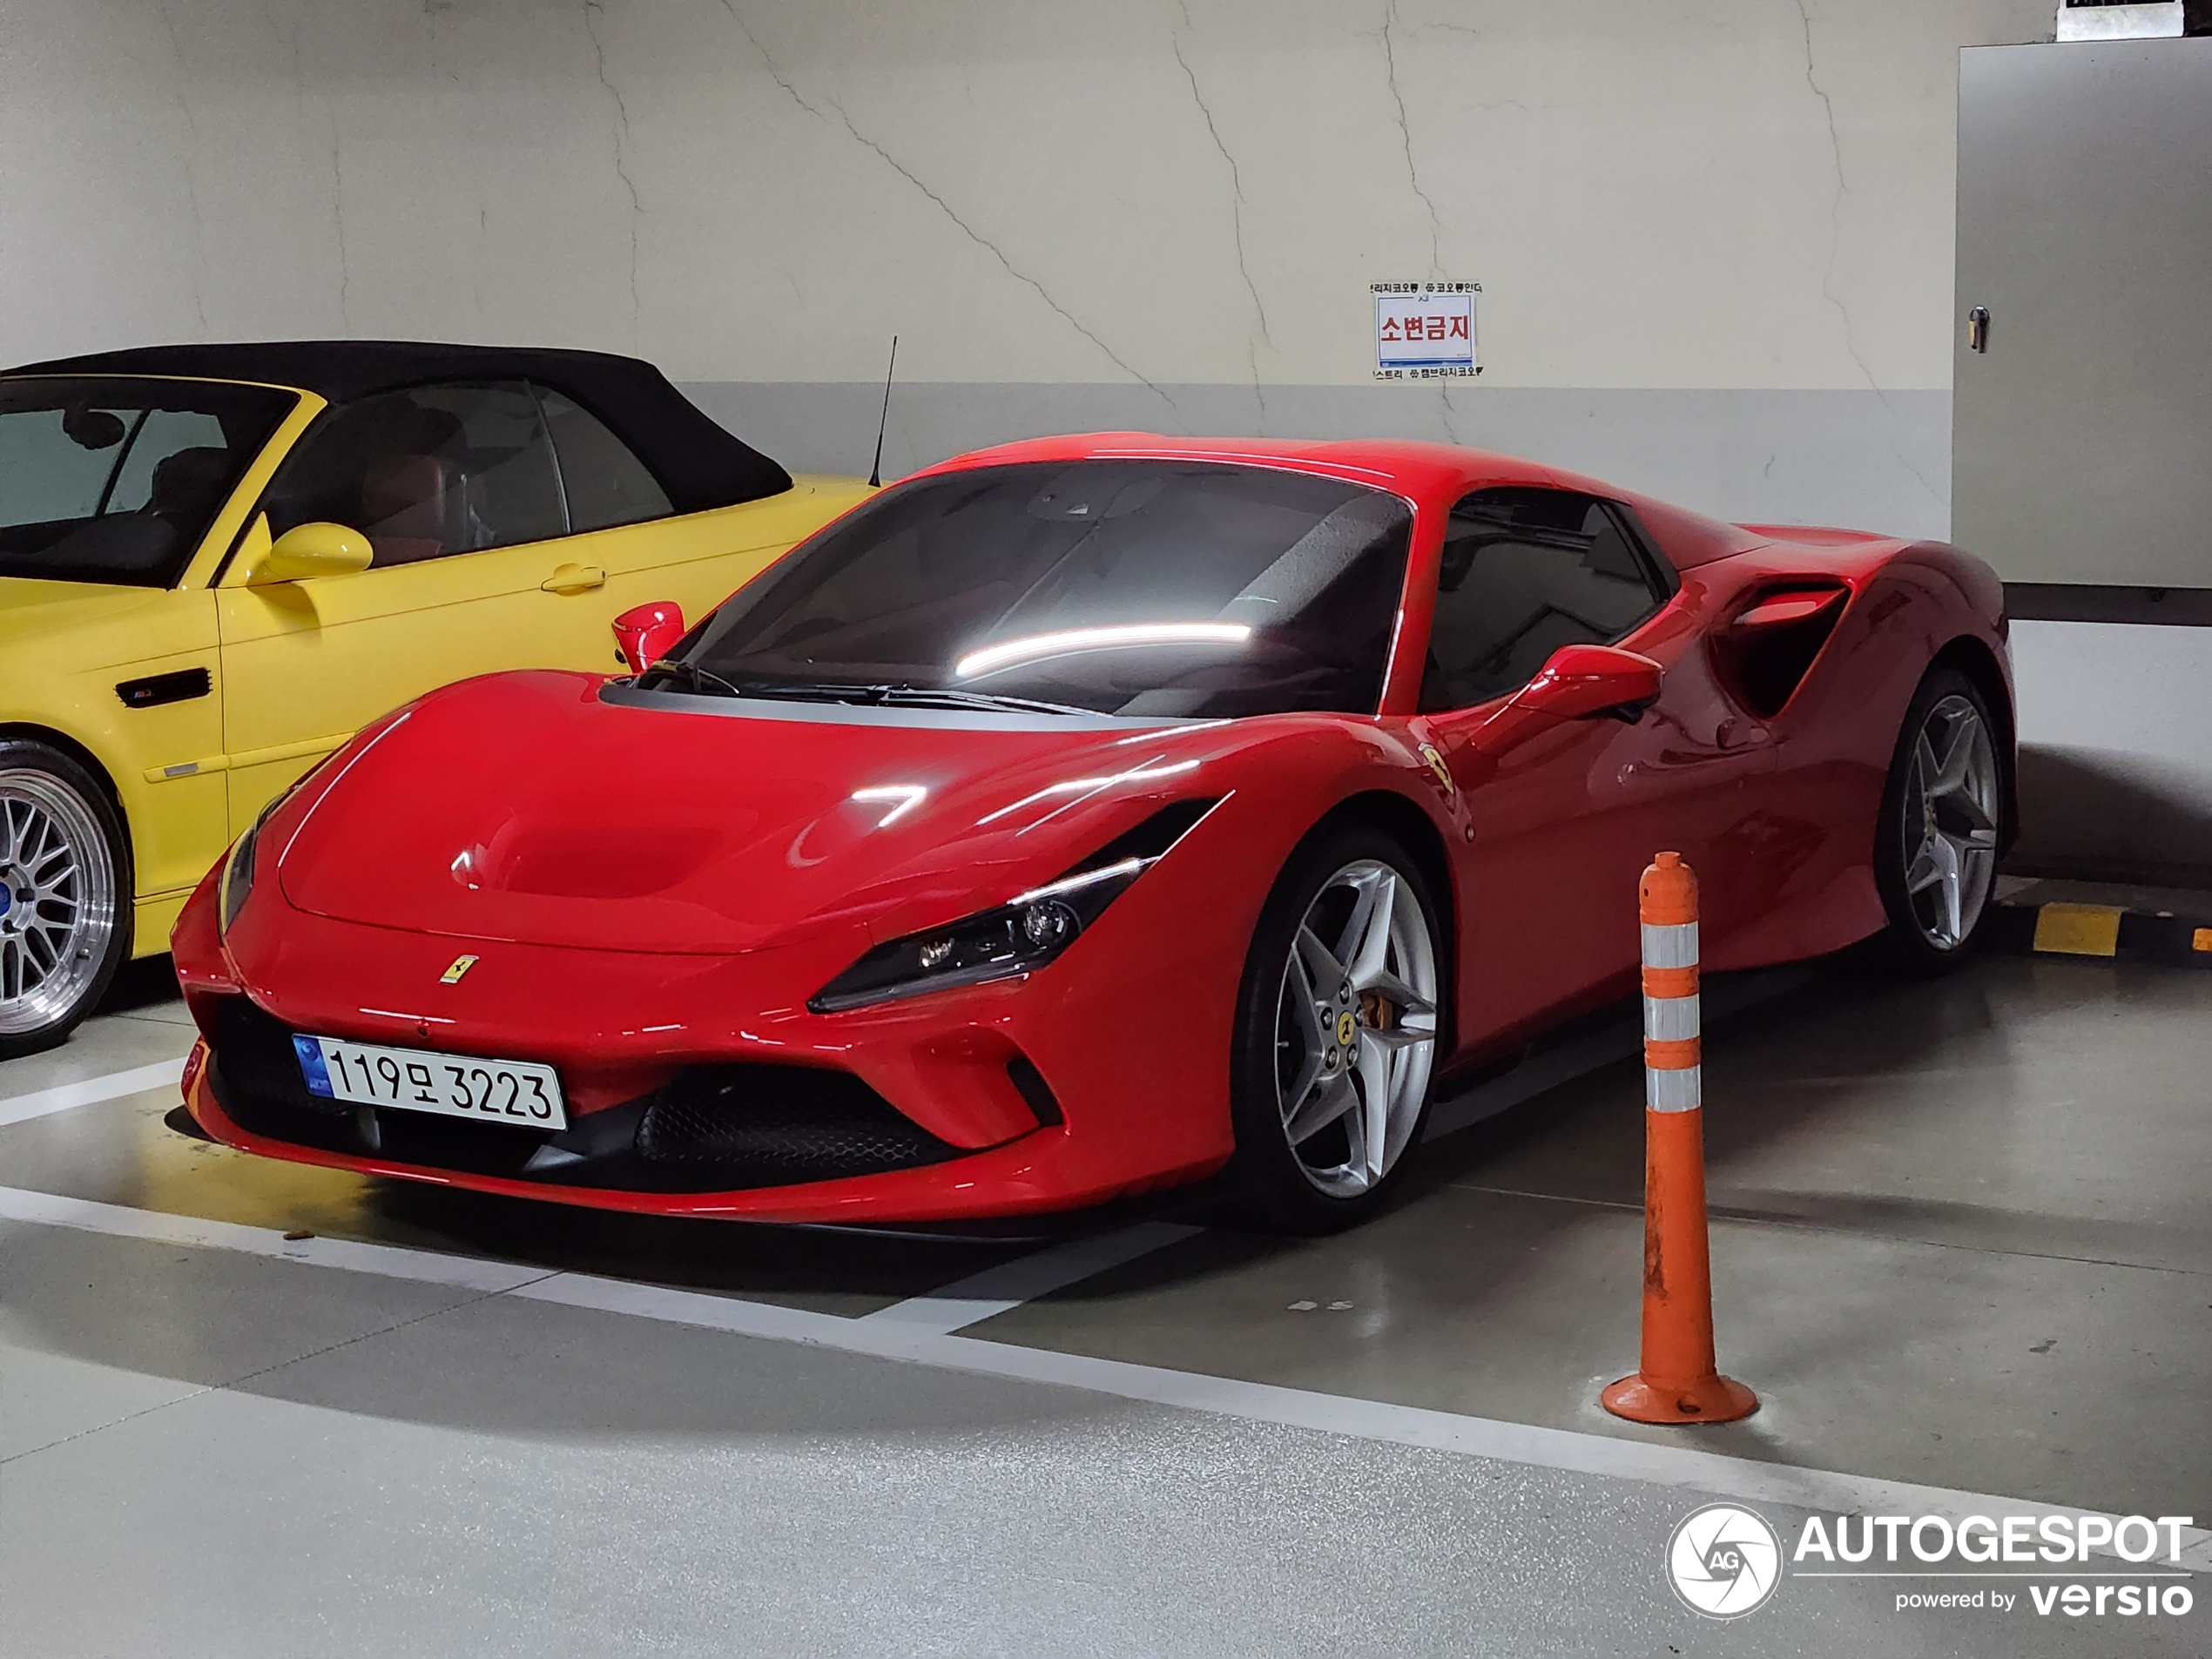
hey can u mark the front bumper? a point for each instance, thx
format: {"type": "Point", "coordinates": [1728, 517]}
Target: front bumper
{"type": "Point", "coordinates": [702, 1086]}
{"type": "Point", "coordinates": [1033, 1175]}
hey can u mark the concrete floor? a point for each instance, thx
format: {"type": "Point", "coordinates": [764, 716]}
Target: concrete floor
{"type": "Point", "coordinates": [1962, 1241]}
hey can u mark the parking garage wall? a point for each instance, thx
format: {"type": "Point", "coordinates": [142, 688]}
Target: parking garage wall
{"type": "Point", "coordinates": [1715, 237]}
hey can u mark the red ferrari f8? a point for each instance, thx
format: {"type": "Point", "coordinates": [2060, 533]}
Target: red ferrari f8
{"type": "Point", "coordinates": [1085, 816]}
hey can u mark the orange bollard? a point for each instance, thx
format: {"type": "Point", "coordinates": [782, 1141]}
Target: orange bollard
{"type": "Point", "coordinates": [1675, 1381]}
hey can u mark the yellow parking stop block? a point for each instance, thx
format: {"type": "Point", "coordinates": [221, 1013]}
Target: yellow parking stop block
{"type": "Point", "coordinates": [2077, 930]}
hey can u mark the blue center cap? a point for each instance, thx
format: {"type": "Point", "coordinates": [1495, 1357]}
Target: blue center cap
{"type": "Point", "coordinates": [7, 899]}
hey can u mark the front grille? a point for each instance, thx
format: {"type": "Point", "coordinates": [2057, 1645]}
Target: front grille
{"type": "Point", "coordinates": [712, 1128]}
{"type": "Point", "coordinates": [769, 1126]}
{"type": "Point", "coordinates": [256, 1050]}
{"type": "Point", "coordinates": [255, 1075]}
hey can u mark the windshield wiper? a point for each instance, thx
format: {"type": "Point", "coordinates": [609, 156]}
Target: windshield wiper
{"type": "Point", "coordinates": [924, 697]}
{"type": "Point", "coordinates": [935, 696]}
{"type": "Point", "coordinates": [704, 681]}
{"type": "Point", "coordinates": [894, 695]}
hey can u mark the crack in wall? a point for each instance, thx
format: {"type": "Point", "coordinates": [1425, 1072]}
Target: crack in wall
{"type": "Point", "coordinates": [337, 176]}
{"type": "Point", "coordinates": [476, 265]}
{"type": "Point", "coordinates": [1469, 29]}
{"type": "Point", "coordinates": [338, 223]}
{"type": "Point", "coordinates": [1451, 429]}
{"type": "Point", "coordinates": [622, 169]}
{"type": "Point", "coordinates": [1835, 251]}
{"type": "Point", "coordinates": [1445, 409]}
{"type": "Point", "coordinates": [1237, 220]}
{"type": "Point", "coordinates": [337, 171]}
{"type": "Point", "coordinates": [192, 176]}
{"type": "Point", "coordinates": [1904, 459]}
{"type": "Point", "coordinates": [776, 74]}
{"type": "Point", "coordinates": [1406, 138]}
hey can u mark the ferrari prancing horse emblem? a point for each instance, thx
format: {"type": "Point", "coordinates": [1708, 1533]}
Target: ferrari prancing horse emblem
{"type": "Point", "coordinates": [460, 965]}
{"type": "Point", "coordinates": [1436, 764]}
{"type": "Point", "coordinates": [1347, 1027]}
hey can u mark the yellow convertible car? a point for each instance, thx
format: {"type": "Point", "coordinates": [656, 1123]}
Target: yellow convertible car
{"type": "Point", "coordinates": [217, 562]}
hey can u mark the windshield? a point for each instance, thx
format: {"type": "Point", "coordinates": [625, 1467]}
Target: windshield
{"type": "Point", "coordinates": [1167, 588]}
{"type": "Point", "coordinates": [114, 479]}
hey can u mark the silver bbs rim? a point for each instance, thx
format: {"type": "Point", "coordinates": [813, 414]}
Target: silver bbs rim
{"type": "Point", "coordinates": [57, 905]}
{"type": "Point", "coordinates": [1951, 806]}
{"type": "Point", "coordinates": [1355, 1028]}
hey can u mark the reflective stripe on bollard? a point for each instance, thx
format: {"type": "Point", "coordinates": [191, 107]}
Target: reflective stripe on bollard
{"type": "Point", "coordinates": [1674, 1077]}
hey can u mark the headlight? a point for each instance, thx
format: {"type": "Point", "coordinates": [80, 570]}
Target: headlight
{"type": "Point", "coordinates": [237, 869]}
{"type": "Point", "coordinates": [1017, 937]}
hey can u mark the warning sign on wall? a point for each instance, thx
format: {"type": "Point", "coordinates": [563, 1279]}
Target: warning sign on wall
{"type": "Point", "coordinates": [1424, 331]}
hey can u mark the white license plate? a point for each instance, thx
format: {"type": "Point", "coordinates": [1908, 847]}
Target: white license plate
{"type": "Point", "coordinates": [520, 1093]}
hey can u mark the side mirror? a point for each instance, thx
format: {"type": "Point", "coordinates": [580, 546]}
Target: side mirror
{"type": "Point", "coordinates": [646, 633]}
{"type": "Point", "coordinates": [307, 550]}
{"type": "Point", "coordinates": [1582, 680]}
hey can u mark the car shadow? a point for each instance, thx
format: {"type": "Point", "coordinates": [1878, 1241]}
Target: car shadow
{"type": "Point", "coordinates": [1774, 1070]}
{"type": "Point", "coordinates": [145, 984]}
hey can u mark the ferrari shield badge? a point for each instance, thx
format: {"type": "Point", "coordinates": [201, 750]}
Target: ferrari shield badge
{"type": "Point", "coordinates": [452, 975]}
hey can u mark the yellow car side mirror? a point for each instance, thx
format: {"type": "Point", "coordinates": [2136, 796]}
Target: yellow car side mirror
{"type": "Point", "coordinates": [315, 550]}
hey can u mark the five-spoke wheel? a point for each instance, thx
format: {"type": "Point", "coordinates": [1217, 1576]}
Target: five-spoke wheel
{"type": "Point", "coordinates": [1340, 1017]}
{"type": "Point", "coordinates": [1356, 1028]}
{"type": "Point", "coordinates": [1936, 858]}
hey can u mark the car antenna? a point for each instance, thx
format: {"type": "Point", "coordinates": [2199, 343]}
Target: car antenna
{"type": "Point", "coordinates": [875, 473]}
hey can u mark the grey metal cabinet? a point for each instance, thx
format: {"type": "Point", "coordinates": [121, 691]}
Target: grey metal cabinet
{"type": "Point", "coordinates": [2082, 433]}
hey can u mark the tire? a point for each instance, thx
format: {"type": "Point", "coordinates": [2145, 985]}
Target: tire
{"type": "Point", "coordinates": [64, 913]}
{"type": "Point", "coordinates": [1936, 843]}
{"type": "Point", "coordinates": [1324, 1180]}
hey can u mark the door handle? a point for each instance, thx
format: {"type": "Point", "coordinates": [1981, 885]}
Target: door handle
{"type": "Point", "coordinates": [575, 578]}
{"type": "Point", "coordinates": [1734, 736]}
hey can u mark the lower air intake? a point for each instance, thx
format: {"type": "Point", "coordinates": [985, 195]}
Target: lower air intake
{"type": "Point", "coordinates": [713, 1129]}
{"type": "Point", "coordinates": [764, 1126]}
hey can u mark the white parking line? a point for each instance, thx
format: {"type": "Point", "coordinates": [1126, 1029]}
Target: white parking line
{"type": "Point", "coordinates": [1603, 1455]}
{"type": "Point", "coordinates": [385, 1261]}
{"type": "Point", "coordinates": [62, 1096]}
{"type": "Point", "coordinates": [1000, 1289]}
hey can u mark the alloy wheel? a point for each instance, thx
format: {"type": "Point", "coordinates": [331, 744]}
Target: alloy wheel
{"type": "Point", "coordinates": [1951, 811]}
{"type": "Point", "coordinates": [1355, 1028]}
{"type": "Point", "coordinates": [57, 900]}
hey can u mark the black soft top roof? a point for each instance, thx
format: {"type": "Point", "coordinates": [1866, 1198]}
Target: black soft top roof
{"type": "Point", "coordinates": [698, 463]}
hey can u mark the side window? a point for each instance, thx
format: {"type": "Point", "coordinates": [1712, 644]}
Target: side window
{"type": "Point", "coordinates": [606, 484]}
{"type": "Point", "coordinates": [428, 472]}
{"type": "Point", "coordinates": [1525, 572]}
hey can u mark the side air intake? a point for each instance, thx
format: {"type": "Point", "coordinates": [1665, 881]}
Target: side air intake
{"type": "Point", "coordinates": [1764, 653]}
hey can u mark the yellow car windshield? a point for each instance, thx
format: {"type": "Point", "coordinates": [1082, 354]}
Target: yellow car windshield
{"type": "Point", "coordinates": [110, 478]}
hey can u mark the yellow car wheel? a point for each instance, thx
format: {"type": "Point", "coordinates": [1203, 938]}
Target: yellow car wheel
{"type": "Point", "coordinates": [64, 873]}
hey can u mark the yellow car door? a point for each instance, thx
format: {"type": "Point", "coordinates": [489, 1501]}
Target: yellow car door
{"type": "Point", "coordinates": [456, 490]}
{"type": "Point", "coordinates": [628, 547]}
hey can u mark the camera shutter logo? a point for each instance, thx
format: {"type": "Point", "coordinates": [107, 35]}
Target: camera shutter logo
{"type": "Point", "coordinates": [1725, 1561]}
